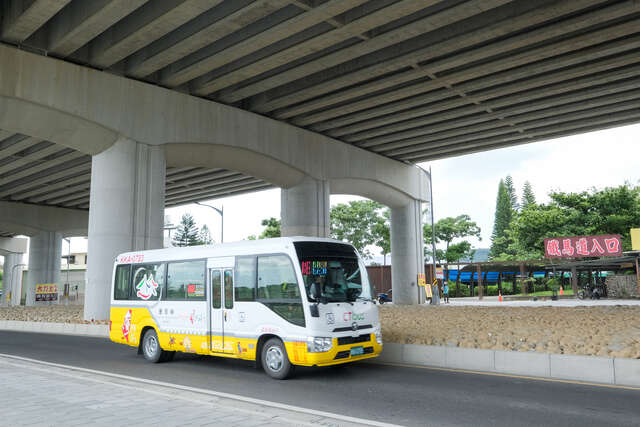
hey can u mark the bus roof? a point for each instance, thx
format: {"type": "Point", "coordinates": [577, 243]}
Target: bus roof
{"type": "Point", "coordinates": [242, 247]}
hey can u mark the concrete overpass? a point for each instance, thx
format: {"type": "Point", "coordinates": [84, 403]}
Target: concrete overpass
{"type": "Point", "coordinates": [125, 107]}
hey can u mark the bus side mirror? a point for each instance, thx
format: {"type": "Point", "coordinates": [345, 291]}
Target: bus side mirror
{"type": "Point", "coordinates": [313, 309]}
{"type": "Point", "coordinates": [315, 291]}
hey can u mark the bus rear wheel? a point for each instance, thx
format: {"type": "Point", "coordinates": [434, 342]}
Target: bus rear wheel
{"type": "Point", "coordinates": [151, 347]}
{"type": "Point", "coordinates": [275, 361]}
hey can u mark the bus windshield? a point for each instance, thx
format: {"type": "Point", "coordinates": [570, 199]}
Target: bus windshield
{"type": "Point", "coordinates": [336, 268]}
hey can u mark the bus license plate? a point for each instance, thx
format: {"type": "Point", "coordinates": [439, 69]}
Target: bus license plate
{"type": "Point", "coordinates": [357, 351]}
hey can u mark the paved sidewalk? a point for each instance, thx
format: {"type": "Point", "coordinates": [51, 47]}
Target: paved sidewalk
{"type": "Point", "coordinates": [46, 395]}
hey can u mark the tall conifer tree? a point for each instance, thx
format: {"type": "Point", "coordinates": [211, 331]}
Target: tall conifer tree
{"type": "Point", "coordinates": [503, 216]}
{"type": "Point", "coordinates": [187, 232]}
{"type": "Point", "coordinates": [528, 198]}
{"type": "Point", "coordinates": [511, 192]}
{"type": "Point", "coordinates": [205, 236]}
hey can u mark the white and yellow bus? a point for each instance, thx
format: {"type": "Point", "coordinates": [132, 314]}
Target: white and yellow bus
{"type": "Point", "coordinates": [279, 302]}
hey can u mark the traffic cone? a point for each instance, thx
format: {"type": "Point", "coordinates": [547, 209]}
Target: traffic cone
{"type": "Point", "coordinates": [561, 291]}
{"type": "Point", "coordinates": [499, 296]}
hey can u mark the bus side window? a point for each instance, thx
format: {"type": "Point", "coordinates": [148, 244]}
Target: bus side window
{"type": "Point", "coordinates": [148, 281]}
{"type": "Point", "coordinates": [216, 284]}
{"type": "Point", "coordinates": [228, 289]}
{"type": "Point", "coordinates": [122, 287]}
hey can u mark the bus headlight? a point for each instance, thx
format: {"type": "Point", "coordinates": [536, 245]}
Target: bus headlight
{"type": "Point", "coordinates": [378, 333]}
{"type": "Point", "coordinates": [319, 344]}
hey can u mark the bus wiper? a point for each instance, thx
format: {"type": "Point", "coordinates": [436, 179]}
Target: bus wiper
{"type": "Point", "coordinates": [355, 273]}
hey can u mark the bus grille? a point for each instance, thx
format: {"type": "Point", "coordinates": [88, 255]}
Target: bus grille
{"type": "Point", "coordinates": [354, 340]}
{"type": "Point", "coordinates": [349, 328]}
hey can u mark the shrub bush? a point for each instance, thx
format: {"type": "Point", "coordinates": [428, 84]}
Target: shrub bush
{"type": "Point", "coordinates": [461, 290]}
{"type": "Point", "coordinates": [492, 290]}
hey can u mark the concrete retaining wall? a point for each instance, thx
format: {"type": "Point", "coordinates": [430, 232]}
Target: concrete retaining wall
{"type": "Point", "coordinates": [89, 330]}
{"type": "Point", "coordinates": [605, 370]}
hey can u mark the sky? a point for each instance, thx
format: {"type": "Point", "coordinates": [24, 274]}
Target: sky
{"type": "Point", "coordinates": [465, 184]}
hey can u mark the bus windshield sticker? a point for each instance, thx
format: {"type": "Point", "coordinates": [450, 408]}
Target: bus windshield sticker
{"type": "Point", "coordinates": [147, 287]}
{"type": "Point", "coordinates": [317, 268]}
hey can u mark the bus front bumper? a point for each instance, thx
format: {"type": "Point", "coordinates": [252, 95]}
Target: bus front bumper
{"type": "Point", "coordinates": [298, 354]}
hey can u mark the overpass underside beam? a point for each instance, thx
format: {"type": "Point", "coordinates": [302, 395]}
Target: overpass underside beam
{"type": "Point", "coordinates": [126, 213]}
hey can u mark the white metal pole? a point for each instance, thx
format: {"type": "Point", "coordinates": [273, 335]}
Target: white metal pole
{"type": "Point", "coordinates": [436, 293]}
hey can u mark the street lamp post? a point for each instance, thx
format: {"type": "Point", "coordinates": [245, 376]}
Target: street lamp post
{"type": "Point", "coordinates": [435, 299]}
{"type": "Point", "coordinates": [221, 212]}
{"type": "Point", "coordinates": [67, 286]}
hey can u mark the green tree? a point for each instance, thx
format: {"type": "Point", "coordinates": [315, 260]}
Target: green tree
{"type": "Point", "coordinates": [524, 239]}
{"type": "Point", "coordinates": [528, 198]}
{"type": "Point", "coordinates": [502, 220]}
{"type": "Point", "coordinates": [511, 192]}
{"type": "Point", "coordinates": [187, 232]}
{"type": "Point", "coordinates": [205, 235]}
{"type": "Point", "coordinates": [612, 210]}
{"type": "Point", "coordinates": [272, 228]}
{"type": "Point", "coordinates": [357, 222]}
{"type": "Point", "coordinates": [382, 234]}
{"type": "Point", "coordinates": [607, 211]}
{"type": "Point", "coordinates": [440, 254]}
{"type": "Point", "coordinates": [447, 230]}
{"type": "Point", "coordinates": [458, 251]}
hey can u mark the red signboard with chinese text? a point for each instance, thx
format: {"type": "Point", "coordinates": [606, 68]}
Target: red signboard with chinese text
{"type": "Point", "coordinates": [583, 246]}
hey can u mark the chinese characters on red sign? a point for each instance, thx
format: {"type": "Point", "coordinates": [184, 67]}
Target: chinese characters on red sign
{"type": "Point", "coordinates": [46, 292]}
{"type": "Point", "coordinates": [583, 246]}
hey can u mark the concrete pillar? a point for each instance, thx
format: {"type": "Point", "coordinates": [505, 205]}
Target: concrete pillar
{"type": "Point", "coordinates": [480, 282]}
{"type": "Point", "coordinates": [574, 281]}
{"type": "Point", "coordinates": [12, 279]}
{"type": "Point", "coordinates": [45, 252]}
{"type": "Point", "coordinates": [407, 253]}
{"type": "Point", "coordinates": [305, 209]}
{"type": "Point", "coordinates": [126, 213]}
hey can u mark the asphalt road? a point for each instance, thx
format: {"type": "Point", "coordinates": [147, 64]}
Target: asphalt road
{"type": "Point", "coordinates": [399, 395]}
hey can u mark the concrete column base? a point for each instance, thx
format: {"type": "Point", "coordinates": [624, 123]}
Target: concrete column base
{"type": "Point", "coordinates": [305, 209]}
{"type": "Point", "coordinates": [407, 253]}
{"type": "Point", "coordinates": [45, 252]}
{"type": "Point", "coordinates": [126, 214]}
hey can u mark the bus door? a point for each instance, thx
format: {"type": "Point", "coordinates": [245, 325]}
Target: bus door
{"type": "Point", "coordinates": [221, 280]}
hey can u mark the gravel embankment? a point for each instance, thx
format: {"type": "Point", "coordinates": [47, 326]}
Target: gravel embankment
{"type": "Point", "coordinates": [51, 313]}
{"type": "Point", "coordinates": [612, 331]}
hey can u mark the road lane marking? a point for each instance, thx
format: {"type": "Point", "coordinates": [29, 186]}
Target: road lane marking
{"type": "Point", "coordinates": [499, 374]}
{"type": "Point", "coordinates": [219, 394]}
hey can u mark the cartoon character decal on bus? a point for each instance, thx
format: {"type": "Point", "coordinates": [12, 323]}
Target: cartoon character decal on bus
{"type": "Point", "coordinates": [126, 325]}
{"type": "Point", "coordinates": [147, 287]}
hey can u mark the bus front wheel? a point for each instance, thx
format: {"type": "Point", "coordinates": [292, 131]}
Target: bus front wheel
{"type": "Point", "coordinates": [151, 347]}
{"type": "Point", "coordinates": [275, 361]}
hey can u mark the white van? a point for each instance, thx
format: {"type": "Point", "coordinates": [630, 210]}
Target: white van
{"type": "Point", "coordinates": [279, 302]}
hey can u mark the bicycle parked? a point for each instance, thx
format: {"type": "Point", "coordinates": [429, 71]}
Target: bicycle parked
{"type": "Point", "coordinates": [591, 291]}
